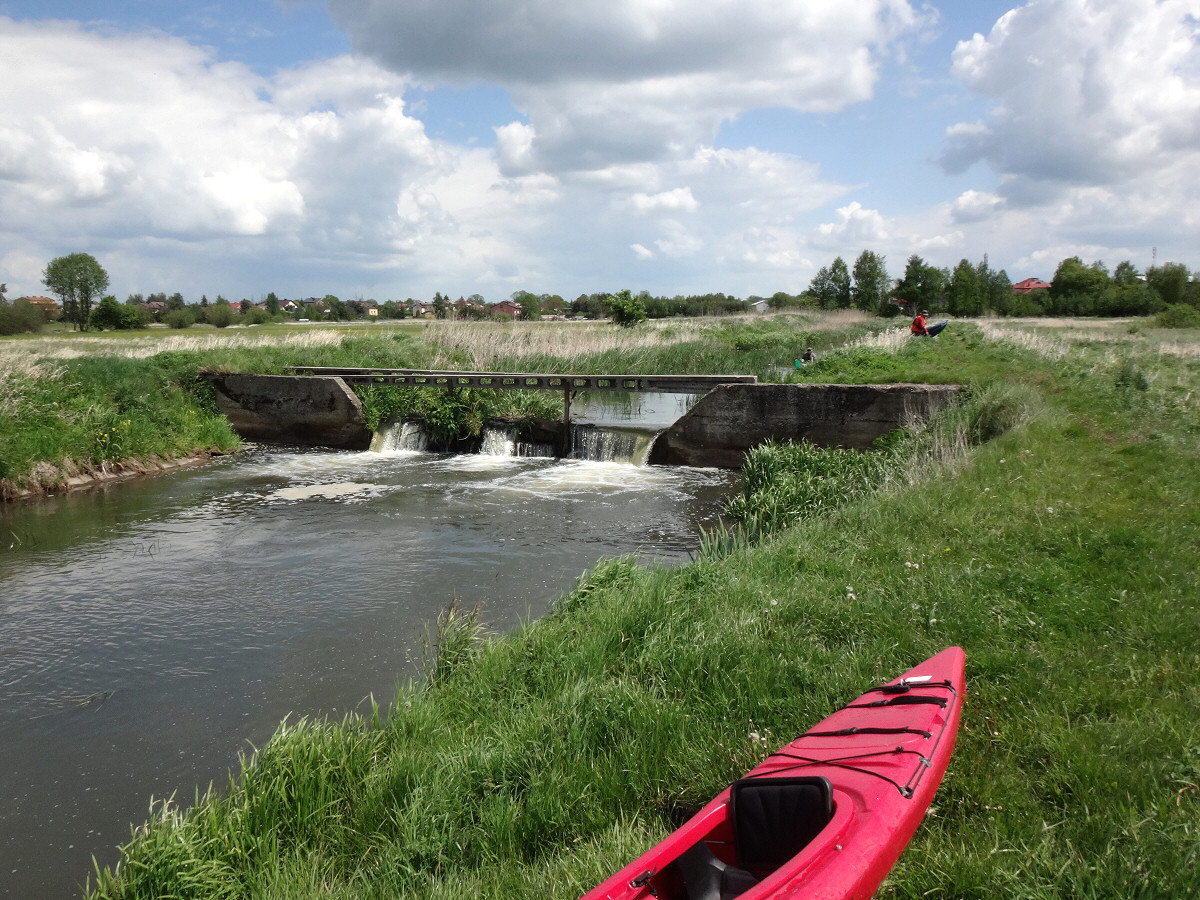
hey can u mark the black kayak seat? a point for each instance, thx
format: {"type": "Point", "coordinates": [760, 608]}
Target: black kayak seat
{"type": "Point", "coordinates": [773, 820]}
{"type": "Point", "coordinates": [776, 818]}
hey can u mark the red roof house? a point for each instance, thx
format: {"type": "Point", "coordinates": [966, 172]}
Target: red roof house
{"type": "Point", "coordinates": [1029, 285]}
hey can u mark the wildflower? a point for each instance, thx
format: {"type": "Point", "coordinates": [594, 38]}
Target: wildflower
{"type": "Point", "coordinates": [1050, 509]}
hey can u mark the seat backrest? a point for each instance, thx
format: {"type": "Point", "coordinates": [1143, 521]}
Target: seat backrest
{"type": "Point", "coordinates": [775, 818]}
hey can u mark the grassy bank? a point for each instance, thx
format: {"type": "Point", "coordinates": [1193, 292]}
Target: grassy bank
{"type": "Point", "coordinates": [90, 402]}
{"type": "Point", "coordinates": [1051, 527]}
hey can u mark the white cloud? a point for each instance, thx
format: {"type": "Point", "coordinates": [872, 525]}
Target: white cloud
{"type": "Point", "coordinates": [182, 172]}
{"type": "Point", "coordinates": [1094, 134]}
{"type": "Point", "coordinates": [975, 206]}
{"type": "Point", "coordinates": [855, 226]}
{"type": "Point", "coordinates": [641, 252]}
{"type": "Point", "coordinates": [677, 200]}
{"type": "Point", "coordinates": [609, 82]}
{"type": "Point", "coordinates": [1087, 91]}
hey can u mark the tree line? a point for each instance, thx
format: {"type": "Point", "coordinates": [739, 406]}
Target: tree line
{"type": "Point", "coordinates": [968, 289]}
{"type": "Point", "coordinates": [975, 289]}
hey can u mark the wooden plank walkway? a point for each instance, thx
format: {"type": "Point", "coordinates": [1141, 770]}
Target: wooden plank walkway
{"type": "Point", "coordinates": [517, 381]}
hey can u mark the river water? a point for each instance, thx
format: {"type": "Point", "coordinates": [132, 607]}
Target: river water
{"type": "Point", "coordinates": [150, 630]}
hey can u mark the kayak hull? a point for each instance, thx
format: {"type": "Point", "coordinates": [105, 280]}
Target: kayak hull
{"type": "Point", "coordinates": [879, 760]}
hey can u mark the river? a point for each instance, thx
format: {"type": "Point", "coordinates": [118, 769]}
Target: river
{"type": "Point", "coordinates": [151, 631]}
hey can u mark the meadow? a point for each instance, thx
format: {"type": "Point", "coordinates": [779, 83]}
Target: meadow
{"type": "Point", "coordinates": [1050, 525]}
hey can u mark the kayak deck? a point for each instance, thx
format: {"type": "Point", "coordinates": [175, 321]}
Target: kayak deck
{"type": "Point", "coordinates": [825, 816]}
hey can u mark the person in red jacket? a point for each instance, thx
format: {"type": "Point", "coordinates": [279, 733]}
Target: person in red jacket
{"type": "Point", "coordinates": [920, 329]}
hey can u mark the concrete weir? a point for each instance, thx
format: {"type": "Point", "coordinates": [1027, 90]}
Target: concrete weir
{"type": "Point", "coordinates": [731, 419]}
{"type": "Point", "coordinates": [318, 411]}
{"type": "Point", "coordinates": [718, 431]}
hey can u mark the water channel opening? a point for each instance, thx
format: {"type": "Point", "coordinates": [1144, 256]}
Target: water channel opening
{"type": "Point", "coordinates": [592, 443]}
{"type": "Point", "coordinates": [613, 428]}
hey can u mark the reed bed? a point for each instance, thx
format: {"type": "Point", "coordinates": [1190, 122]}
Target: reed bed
{"type": "Point", "coordinates": [480, 346]}
{"type": "Point", "coordinates": [143, 346]}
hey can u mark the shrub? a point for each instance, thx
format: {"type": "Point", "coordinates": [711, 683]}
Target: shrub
{"type": "Point", "coordinates": [626, 310]}
{"type": "Point", "coordinates": [221, 315]}
{"type": "Point", "coordinates": [20, 316]}
{"type": "Point", "coordinates": [1178, 315]}
{"type": "Point", "coordinates": [180, 318]}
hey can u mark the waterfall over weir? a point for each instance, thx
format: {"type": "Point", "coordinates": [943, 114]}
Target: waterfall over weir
{"type": "Point", "coordinates": [400, 436]}
{"type": "Point", "coordinates": [588, 442]}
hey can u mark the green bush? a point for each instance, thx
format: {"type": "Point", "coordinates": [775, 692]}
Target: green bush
{"type": "Point", "coordinates": [625, 309]}
{"type": "Point", "coordinates": [110, 314]}
{"type": "Point", "coordinates": [180, 318]}
{"type": "Point", "coordinates": [1178, 315]}
{"type": "Point", "coordinates": [20, 317]}
{"type": "Point", "coordinates": [221, 315]}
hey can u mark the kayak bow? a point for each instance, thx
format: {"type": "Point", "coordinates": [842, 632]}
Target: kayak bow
{"type": "Point", "coordinates": [825, 816]}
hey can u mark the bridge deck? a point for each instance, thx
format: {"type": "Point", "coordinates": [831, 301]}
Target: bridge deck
{"type": "Point", "coordinates": [516, 381]}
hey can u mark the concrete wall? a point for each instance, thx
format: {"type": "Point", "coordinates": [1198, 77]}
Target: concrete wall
{"type": "Point", "coordinates": [717, 431]}
{"type": "Point", "coordinates": [731, 419]}
{"type": "Point", "coordinates": [320, 411]}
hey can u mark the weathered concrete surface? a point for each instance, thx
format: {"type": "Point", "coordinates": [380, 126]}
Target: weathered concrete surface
{"type": "Point", "coordinates": [285, 409]}
{"type": "Point", "coordinates": [730, 420]}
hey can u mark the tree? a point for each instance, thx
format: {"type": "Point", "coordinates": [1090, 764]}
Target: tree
{"type": "Point", "coordinates": [1169, 281]}
{"type": "Point", "coordinates": [839, 274]}
{"type": "Point", "coordinates": [531, 308]}
{"type": "Point", "coordinates": [872, 286]}
{"type": "Point", "coordinates": [822, 289]}
{"type": "Point", "coordinates": [964, 296]}
{"type": "Point", "coordinates": [272, 304]}
{"type": "Point", "coordinates": [1126, 273]}
{"type": "Point", "coordinates": [1076, 289]}
{"type": "Point", "coordinates": [441, 306]}
{"type": "Point", "coordinates": [626, 310]}
{"type": "Point", "coordinates": [77, 279]}
{"type": "Point", "coordinates": [922, 285]}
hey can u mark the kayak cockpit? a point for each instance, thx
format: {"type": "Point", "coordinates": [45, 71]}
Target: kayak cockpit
{"type": "Point", "coordinates": [771, 821]}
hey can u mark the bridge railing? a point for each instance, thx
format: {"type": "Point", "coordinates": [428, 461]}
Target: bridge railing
{"type": "Point", "coordinates": [523, 381]}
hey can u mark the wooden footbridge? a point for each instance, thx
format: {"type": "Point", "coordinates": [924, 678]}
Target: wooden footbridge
{"type": "Point", "coordinates": [569, 385]}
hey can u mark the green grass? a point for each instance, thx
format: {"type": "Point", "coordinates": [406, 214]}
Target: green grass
{"type": "Point", "coordinates": [95, 411]}
{"type": "Point", "coordinates": [1050, 526]}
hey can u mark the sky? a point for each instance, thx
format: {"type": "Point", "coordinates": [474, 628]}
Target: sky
{"type": "Point", "coordinates": [386, 149]}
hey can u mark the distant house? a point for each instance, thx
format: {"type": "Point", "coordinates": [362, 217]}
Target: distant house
{"type": "Point", "coordinates": [1029, 285]}
{"type": "Point", "coordinates": [48, 306]}
{"type": "Point", "coordinates": [760, 305]}
{"type": "Point", "coordinates": [507, 308]}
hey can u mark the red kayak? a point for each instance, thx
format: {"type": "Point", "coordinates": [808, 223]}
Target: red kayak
{"type": "Point", "coordinates": [824, 817]}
